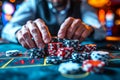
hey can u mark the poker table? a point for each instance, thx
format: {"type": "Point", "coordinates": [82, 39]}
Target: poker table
{"type": "Point", "coordinates": [25, 68]}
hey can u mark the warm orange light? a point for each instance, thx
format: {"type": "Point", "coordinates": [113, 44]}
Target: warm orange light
{"type": "Point", "coordinates": [0, 3]}
{"type": "Point", "coordinates": [117, 22]}
{"type": "Point", "coordinates": [109, 38]}
{"type": "Point", "coordinates": [101, 16]}
{"type": "Point", "coordinates": [12, 1]}
{"type": "Point", "coordinates": [98, 3]}
{"type": "Point", "coordinates": [118, 11]}
{"type": "Point", "coordinates": [8, 17]}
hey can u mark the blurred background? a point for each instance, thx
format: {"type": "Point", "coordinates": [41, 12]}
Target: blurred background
{"type": "Point", "coordinates": [108, 12]}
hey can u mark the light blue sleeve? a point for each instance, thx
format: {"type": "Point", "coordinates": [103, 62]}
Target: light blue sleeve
{"type": "Point", "coordinates": [89, 17]}
{"type": "Point", "coordinates": [22, 15]}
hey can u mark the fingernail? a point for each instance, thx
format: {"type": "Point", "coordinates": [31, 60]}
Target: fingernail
{"type": "Point", "coordinates": [47, 40]}
{"type": "Point", "coordinates": [60, 35]}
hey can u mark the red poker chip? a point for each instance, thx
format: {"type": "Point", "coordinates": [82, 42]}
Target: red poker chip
{"type": "Point", "coordinates": [89, 47]}
{"type": "Point", "coordinates": [53, 47]}
{"type": "Point", "coordinates": [93, 65]}
{"type": "Point", "coordinates": [64, 52]}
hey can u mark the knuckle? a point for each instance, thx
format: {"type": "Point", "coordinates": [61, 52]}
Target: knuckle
{"type": "Point", "coordinates": [39, 20]}
{"type": "Point", "coordinates": [25, 34]}
{"type": "Point", "coordinates": [30, 21]}
{"type": "Point", "coordinates": [69, 19]}
{"type": "Point", "coordinates": [78, 21]}
{"type": "Point", "coordinates": [20, 39]}
{"type": "Point", "coordinates": [34, 30]}
{"type": "Point", "coordinates": [69, 31]}
{"type": "Point", "coordinates": [77, 33]}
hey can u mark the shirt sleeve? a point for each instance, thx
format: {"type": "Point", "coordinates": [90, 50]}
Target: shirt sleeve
{"type": "Point", "coordinates": [22, 15]}
{"type": "Point", "coordinates": [90, 17]}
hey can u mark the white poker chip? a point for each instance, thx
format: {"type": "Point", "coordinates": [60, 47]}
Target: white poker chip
{"type": "Point", "coordinates": [69, 68]}
{"type": "Point", "coordinates": [100, 55]}
{"type": "Point", "coordinates": [12, 53]}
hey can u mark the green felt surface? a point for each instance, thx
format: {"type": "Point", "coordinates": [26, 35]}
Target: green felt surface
{"type": "Point", "coordinates": [50, 72]}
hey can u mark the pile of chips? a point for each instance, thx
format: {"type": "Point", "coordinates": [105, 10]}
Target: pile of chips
{"type": "Point", "coordinates": [71, 53]}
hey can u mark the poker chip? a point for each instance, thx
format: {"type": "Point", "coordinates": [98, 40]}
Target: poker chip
{"type": "Point", "coordinates": [100, 55]}
{"type": "Point", "coordinates": [69, 68]}
{"type": "Point", "coordinates": [64, 52]}
{"type": "Point", "coordinates": [53, 60]}
{"type": "Point", "coordinates": [71, 43]}
{"type": "Point", "coordinates": [93, 66]}
{"type": "Point", "coordinates": [89, 47]}
{"type": "Point", "coordinates": [86, 48]}
{"type": "Point", "coordinates": [53, 47]}
{"type": "Point", "coordinates": [13, 53]}
{"type": "Point", "coordinates": [37, 53]}
{"type": "Point", "coordinates": [77, 57]}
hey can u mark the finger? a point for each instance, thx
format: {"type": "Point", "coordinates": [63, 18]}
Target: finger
{"type": "Point", "coordinates": [76, 23]}
{"type": "Point", "coordinates": [36, 34]}
{"type": "Point", "coordinates": [86, 33]}
{"type": "Point", "coordinates": [79, 31]}
{"type": "Point", "coordinates": [27, 37]}
{"type": "Point", "coordinates": [63, 29]}
{"type": "Point", "coordinates": [44, 30]}
{"type": "Point", "coordinates": [21, 40]}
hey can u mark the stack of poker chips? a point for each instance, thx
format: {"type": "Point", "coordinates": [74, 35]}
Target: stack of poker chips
{"type": "Point", "coordinates": [64, 52]}
{"type": "Point", "coordinates": [89, 47]}
{"type": "Point", "coordinates": [53, 47]}
{"type": "Point", "coordinates": [71, 43]}
{"type": "Point", "coordinates": [93, 66]}
{"type": "Point", "coordinates": [69, 68]}
{"type": "Point", "coordinates": [37, 53]}
{"type": "Point", "coordinates": [86, 48]}
{"type": "Point", "coordinates": [100, 55]}
{"type": "Point", "coordinates": [53, 60]}
{"type": "Point", "coordinates": [79, 57]}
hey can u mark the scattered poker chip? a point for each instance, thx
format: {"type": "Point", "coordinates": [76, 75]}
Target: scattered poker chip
{"type": "Point", "coordinates": [13, 53]}
{"type": "Point", "coordinates": [37, 53]}
{"type": "Point", "coordinates": [53, 60]}
{"type": "Point", "coordinates": [64, 52]}
{"type": "Point", "coordinates": [93, 66]}
{"type": "Point", "coordinates": [69, 68]}
{"type": "Point", "coordinates": [100, 55]}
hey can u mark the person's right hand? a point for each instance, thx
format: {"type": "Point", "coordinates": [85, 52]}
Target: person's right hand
{"type": "Point", "coordinates": [34, 34]}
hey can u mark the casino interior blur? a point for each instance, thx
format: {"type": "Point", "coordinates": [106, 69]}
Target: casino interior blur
{"type": "Point", "coordinates": [108, 12]}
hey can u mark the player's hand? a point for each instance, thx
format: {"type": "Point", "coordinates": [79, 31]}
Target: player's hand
{"type": "Point", "coordinates": [74, 29]}
{"type": "Point", "coordinates": [34, 34]}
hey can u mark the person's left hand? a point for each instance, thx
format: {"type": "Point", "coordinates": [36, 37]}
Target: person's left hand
{"type": "Point", "coordinates": [74, 29]}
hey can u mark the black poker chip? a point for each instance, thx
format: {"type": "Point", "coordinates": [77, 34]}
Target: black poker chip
{"type": "Point", "coordinates": [77, 57]}
{"type": "Point", "coordinates": [53, 60]}
{"type": "Point", "coordinates": [37, 53]}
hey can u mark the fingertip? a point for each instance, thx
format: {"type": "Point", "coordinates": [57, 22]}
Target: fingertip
{"type": "Point", "coordinates": [60, 36]}
{"type": "Point", "coordinates": [47, 40]}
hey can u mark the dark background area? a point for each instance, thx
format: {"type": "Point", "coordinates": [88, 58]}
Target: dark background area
{"type": "Point", "coordinates": [112, 9]}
